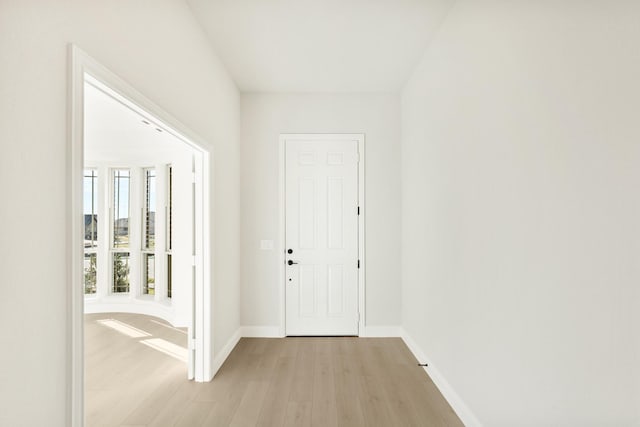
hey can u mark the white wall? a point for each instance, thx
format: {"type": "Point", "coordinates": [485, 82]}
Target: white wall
{"type": "Point", "coordinates": [521, 210]}
{"type": "Point", "coordinates": [157, 47]}
{"type": "Point", "coordinates": [264, 118]}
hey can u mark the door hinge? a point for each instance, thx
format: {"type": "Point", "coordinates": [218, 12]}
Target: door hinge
{"type": "Point", "coordinates": [358, 157]}
{"type": "Point", "coordinates": [358, 263]}
{"type": "Point", "coordinates": [193, 177]}
{"type": "Point", "coordinates": [358, 210]}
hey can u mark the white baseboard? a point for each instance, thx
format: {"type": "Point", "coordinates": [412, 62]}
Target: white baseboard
{"type": "Point", "coordinates": [224, 353]}
{"type": "Point", "coordinates": [260, 332]}
{"type": "Point", "coordinates": [380, 331]}
{"type": "Point", "coordinates": [458, 405]}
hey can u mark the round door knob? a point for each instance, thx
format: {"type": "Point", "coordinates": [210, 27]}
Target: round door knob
{"type": "Point", "coordinates": [289, 251]}
{"type": "Point", "coordinates": [291, 262]}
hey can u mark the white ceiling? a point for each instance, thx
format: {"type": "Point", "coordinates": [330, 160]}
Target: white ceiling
{"type": "Point", "coordinates": [117, 135]}
{"type": "Point", "coordinates": [320, 45]}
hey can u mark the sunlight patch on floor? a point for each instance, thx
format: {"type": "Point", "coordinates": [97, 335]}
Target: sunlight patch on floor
{"type": "Point", "coordinates": [167, 348]}
{"type": "Point", "coordinates": [124, 328]}
{"type": "Point", "coordinates": [169, 327]}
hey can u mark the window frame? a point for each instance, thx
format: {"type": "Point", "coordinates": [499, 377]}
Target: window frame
{"type": "Point", "coordinates": [146, 249]}
{"type": "Point", "coordinates": [93, 249]}
{"type": "Point", "coordinates": [146, 206]}
{"type": "Point", "coordinates": [169, 232]}
{"type": "Point", "coordinates": [113, 249]}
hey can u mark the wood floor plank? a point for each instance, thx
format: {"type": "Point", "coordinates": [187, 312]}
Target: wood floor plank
{"type": "Point", "coordinates": [123, 375]}
{"type": "Point", "coordinates": [374, 406]}
{"type": "Point", "coordinates": [299, 382]}
{"type": "Point", "coordinates": [274, 407]}
{"type": "Point", "coordinates": [194, 415]}
{"type": "Point", "coordinates": [174, 407]}
{"type": "Point", "coordinates": [223, 412]}
{"type": "Point", "coordinates": [349, 410]}
{"type": "Point", "coordinates": [413, 389]}
{"type": "Point", "coordinates": [324, 411]}
{"type": "Point", "coordinates": [290, 347]}
{"type": "Point", "coordinates": [144, 409]}
{"type": "Point", "coordinates": [298, 414]}
{"type": "Point", "coordinates": [439, 403]}
{"type": "Point", "coordinates": [250, 405]}
{"type": "Point", "coordinates": [268, 359]}
{"type": "Point", "coordinates": [404, 409]}
{"type": "Point", "coordinates": [302, 384]}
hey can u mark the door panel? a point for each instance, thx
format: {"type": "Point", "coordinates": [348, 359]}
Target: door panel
{"type": "Point", "coordinates": [307, 217]}
{"type": "Point", "coordinates": [336, 290]}
{"type": "Point", "coordinates": [335, 211]}
{"type": "Point", "coordinates": [321, 196]}
{"type": "Point", "coordinates": [307, 285]}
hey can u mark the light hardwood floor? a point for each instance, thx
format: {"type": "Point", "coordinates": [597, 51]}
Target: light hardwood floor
{"type": "Point", "coordinates": [265, 382]}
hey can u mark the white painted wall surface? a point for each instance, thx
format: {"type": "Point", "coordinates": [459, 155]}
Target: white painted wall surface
{"type": "Point", "coordinates": [264, 118]}
{"type": "Point", "coordinates": [521, 210]}
{"type": "Point", "coordinates": [330, 46]}
{"type": "Point", "coordinates": [157, 47]}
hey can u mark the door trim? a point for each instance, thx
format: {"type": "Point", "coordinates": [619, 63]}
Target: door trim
{"type": "Point", "coordinates": [80, 64]}
{"type": "Point", "coordinates": [360, 138]}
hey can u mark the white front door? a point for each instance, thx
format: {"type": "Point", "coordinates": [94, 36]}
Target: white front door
{"type": "Point", "coordinates": [321, 216]}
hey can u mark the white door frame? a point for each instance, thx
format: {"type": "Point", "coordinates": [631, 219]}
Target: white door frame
{"type": "Point", "coordinates": [359, 137]}
{"type": "Point", "coordinates": [80, 64]}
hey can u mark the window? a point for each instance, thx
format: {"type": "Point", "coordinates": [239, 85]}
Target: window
{"type": "Point", "coordinates": [90, 272]}
{"type": "Point", "coordinates": [149, 221]}
{"type": "Point", "coordinates": [149, 233]}
{"type": "Point", "coordinates": [148, 274]}
{"type": "Point", "coordinates": [120, 208]}
{"type": "Point", "coordinates": [120, 230]}
{"type": "Point", "coordinates": [168, 275]}
{"type": "Point", "coordinates": [121, 269]}
{"type": "Point", "coordinates": [90, 195]}
{"type": "Point", "coordinates": [170, 206]}
{"type": "Point", "coordinates": [169, 225]}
